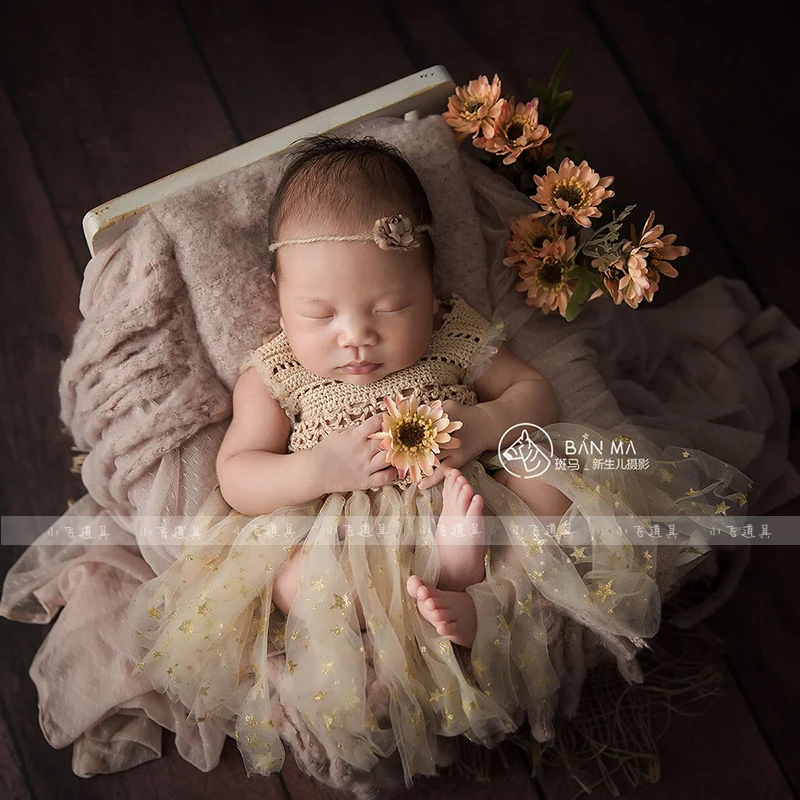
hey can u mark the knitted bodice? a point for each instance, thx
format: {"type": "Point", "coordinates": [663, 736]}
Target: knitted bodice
{"type": "Point", "coordinates": [316, 406]}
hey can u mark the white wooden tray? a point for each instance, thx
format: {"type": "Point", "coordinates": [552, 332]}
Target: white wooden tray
{"type": "Point", "coordinates": [413, 97]}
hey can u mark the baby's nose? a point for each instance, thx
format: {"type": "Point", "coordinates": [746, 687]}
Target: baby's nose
{"type": "Point", "coordinates": [357, 333]}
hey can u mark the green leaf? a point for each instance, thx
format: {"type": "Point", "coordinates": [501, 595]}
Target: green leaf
{"type": "Point", "coordinates": [581, 290]}
{"type": "Point", "coordinates": [597, 279]}
{"type": "Point", "coordinates": [558, 73]}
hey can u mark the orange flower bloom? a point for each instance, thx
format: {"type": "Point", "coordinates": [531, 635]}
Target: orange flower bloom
{"type": "Point", "coordinates": [635, 274]}
{"type": "Point", "coordinates": [662, 249]}
{"type": "Point", "coordinates": [474, 108]}
{"type": "Point", "coordinates": [545, 278]}
{"type": "Point", "coordinates": [412, 434]}
{"type": "Point", "coordinates": [573, 191]}
{"type": "Point", "coordinates": [517, 129]}
{"type": "Point", "coordinates": [528, 234]}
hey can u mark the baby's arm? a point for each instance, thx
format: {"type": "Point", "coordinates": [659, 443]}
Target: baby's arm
{"type": "Point", "coordinates": [256, 474]}
{"type": "Point", "coordinates": [510, 392]}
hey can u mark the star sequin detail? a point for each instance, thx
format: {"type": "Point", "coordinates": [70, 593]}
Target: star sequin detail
{"type": "Point", "coordinates": [604, 590]}
{"type": "Point", "coordinates": [526, 606]}
{"type": "Point", "coordinates": [342, 602]}
{"type": "Point", "coordinates": [740, 498]}
{"type": "Point", "coordinates": [722, 508]}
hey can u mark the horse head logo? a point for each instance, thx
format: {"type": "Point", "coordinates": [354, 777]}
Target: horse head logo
{"type": "Point", "coordinates": [528, 458]}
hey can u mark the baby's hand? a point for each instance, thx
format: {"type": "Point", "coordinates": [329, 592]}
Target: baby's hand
{"type": "Point", "coordinates": [472, 436]}
{"type": "Point", "coordinates": [347, 460]}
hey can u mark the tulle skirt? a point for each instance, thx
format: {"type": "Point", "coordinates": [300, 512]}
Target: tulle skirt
{"type": "Point", "coordinates": [208, 625]}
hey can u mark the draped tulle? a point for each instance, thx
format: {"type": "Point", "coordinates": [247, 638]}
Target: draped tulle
{"type": "Point", "coordinates": [700, 373]}
{"type": "Point", "coordinates": [207, 624]}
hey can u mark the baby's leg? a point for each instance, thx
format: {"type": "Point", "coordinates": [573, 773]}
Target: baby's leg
{"type": "Point", "coordinates": [547, 502]}
{"type": "Point", "coordinates": [460, 537]}
{"type": "Point", "coordinates": [460, 541]}
{"type": "Point", "coordinates": [284, 589]}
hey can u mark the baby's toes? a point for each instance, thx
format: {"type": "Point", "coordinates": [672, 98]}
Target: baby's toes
{"type": "Point", "coordinates": [412, 584]}
{"type": "Point", "coordinates": [476, 505]}
{"type": "Point", "coordinates": [465, 495]}
{"type": "Point", "coordinates": [450, 479]}
{"type": "Point", "coordinates": [433, 609]}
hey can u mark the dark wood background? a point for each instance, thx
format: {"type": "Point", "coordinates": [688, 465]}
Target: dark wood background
{"type": "Point", "coordinates": [691, 105]}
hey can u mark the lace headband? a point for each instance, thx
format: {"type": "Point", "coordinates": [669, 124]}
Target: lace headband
{"type": "Point", "coordinates": [389, 233]}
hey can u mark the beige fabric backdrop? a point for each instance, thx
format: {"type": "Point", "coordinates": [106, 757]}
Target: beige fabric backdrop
{"type": "Point", "coordinates": [173, 306]}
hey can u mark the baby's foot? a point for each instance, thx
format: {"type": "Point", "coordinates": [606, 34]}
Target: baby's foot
{"type": "Point", "coordinates": [460, 534]}
{"type": "Point", "coordinates": [453, 614]}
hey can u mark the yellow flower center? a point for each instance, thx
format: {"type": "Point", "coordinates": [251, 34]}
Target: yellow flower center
{"type": "Point", "coordinates": [575, 192]}
{"type": "Point", "coordinates": [412, 432]}
{"type": "Point", "coordinates": [536, 240]}
{"type": "Point", "coordinates": [551, 274]}
{"type": "Point", "coordinates": [471, 108]}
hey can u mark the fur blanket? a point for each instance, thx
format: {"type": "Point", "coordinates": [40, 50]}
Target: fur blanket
{"type": "Point", "coordinates": [170, 310]}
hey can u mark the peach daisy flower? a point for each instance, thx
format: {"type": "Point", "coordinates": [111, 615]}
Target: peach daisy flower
{"type": "Point", "coordinates": [412, 434]}
{"type": "Point", "coordinates": [517, 129]}
{"type": "Point", "coordinates": [528, 234]}
{"type": "Point", "coordinates": [633, 287]}
{"type": "Point", "coordinates": [635, 274]}
{"type": "Point", "coordinates": [625, 276]}
{"type": "Point", "coordinates": [662, 249]}
{"type": "Point", "coordinates": [474, 108]}
{"type": "Point", "coordinates": [573, 191]}
{"type": "Point", "coordinates": [545, 278]}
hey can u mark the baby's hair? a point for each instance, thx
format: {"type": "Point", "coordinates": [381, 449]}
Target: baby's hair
{"type": "Point", "coordinates": [328, 177]}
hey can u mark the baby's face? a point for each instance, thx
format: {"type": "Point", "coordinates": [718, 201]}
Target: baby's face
{"type": "Point", "coordinates": [344, 302]}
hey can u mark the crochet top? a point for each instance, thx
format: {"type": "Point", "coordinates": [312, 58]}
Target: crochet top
{"type": "Point", "coordinates": [456, 356]}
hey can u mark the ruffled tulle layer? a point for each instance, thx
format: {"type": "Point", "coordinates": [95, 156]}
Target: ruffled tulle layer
{"type": "Point", "coordinates": [207, 625]}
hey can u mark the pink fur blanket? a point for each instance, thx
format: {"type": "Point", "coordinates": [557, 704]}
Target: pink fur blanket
{"type": "Point", "coordinates": [171, 308]}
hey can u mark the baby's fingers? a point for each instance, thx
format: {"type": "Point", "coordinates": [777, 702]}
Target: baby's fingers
{"type": "Point", "coordinates": [372, 424]}
{"type": "Point", "coordinates": [382, 478]}
{"type": "Point", "coordinates": [431, 480]}
{"type": "Point", "coordinates": [378, 461]}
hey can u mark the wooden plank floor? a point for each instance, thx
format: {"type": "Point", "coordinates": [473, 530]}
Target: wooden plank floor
{"type": "Point", "coordinates": [688, 106]}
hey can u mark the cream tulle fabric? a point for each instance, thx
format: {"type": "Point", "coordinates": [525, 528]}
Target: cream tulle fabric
{"type": "Point", "coordinates": [700, 373]}
{"type": "Point", "coordinates": [209, 624]}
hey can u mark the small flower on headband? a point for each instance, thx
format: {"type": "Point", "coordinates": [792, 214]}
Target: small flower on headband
{"type": "Point", "coordinates": [389, 233]}
{"type": "Point", "coordinates": [394, 233]}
